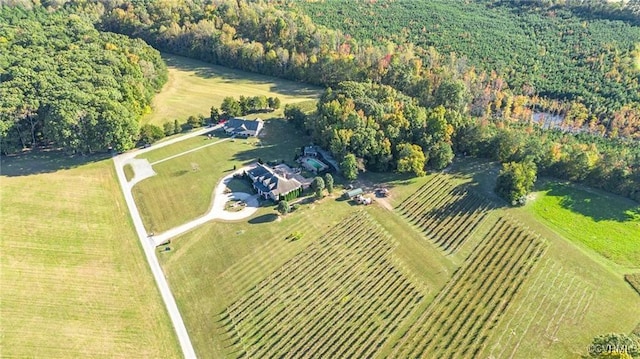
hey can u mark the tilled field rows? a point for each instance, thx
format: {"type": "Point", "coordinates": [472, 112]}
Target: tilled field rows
{"type": "Point", "coordinates": [445, 214]}
{"type": "Point", "coordinates": [459, 320]}
{"type": "Point", "coordinates": [554, 299]}
{"type": "Point", "coordinates": [340, 297]}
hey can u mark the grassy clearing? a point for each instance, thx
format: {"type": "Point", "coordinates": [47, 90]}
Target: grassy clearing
{"type": "Point", "coordinates": [194, 86]}
{"type": "Point", "coordinates": [240, 185]}
{"type": "Point", "coordinates": [183, 188]}
{"type": "Point", "coordinates": [128, 172]}
{"type": "Point", "coordinates": [605, 223]}
{"type": "Point", "coordinates": [73, 276]}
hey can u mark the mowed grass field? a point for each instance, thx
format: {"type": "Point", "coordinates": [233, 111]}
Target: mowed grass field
{"type": "Point", "coordinates": [605, 223]}
{"type": "Point", "coordinates": [194, 86]}
{"type": "Point", "coordinates": [73, 279]}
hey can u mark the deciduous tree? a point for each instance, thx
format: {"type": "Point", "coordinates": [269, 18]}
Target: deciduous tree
{"type": "Point", "coordinates": [349, 167]}
{"type": "Point", "coordinates": [284, 207]}
{"type": "Point", "coordinates": [515, 181]}
{"type": "Point", "coordinates": [411, 159]}
{"type": "Point", "coordinates": [328, 180]}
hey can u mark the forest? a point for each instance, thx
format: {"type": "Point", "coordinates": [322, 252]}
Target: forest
{"type": "Point", "coordinates": [404, 107]}
{"type": "Point", "coordinates": [64, 83]}
{"type": "Point", "coordinates": [587, 72]}
{"type": "Point", "coordinates": [576, 51]}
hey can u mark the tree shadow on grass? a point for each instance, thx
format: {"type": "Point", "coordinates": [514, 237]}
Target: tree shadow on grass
{"type": "Point", "coordinates": [44, 161]}
{"type": "Point", "coordinates": [240, 185]}
{"type": "Point", "coordinates": [265, 218]}
{"type": "Point", "coordinates": [588, 202]}
{"type": "Point", "coordinates": [229, 75]}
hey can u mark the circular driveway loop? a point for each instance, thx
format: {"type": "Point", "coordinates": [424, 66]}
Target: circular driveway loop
{"type": "Point", "coordinates": [216, 211]}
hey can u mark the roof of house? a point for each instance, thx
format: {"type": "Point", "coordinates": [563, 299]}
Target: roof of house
{"type": "Point", "coordinates": [266, 180]}
{"type": "Point", "coordinates": [258, 171]}
{"type": "Point", "coordinates": [310, 149]}
{"type": "Point", "coordinates": [242, 125]}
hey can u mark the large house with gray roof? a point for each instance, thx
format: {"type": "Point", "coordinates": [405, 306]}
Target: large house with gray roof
{"type": "Point", "coordinates": [275, 183]}
{"type": "Point", "coordinates": [241, 127]}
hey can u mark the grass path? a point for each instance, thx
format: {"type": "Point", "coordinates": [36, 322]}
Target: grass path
{"type": "Point", "coordinates": [190, 151]}
{"type": "Point", "coordinates": [73, 279]}
{"type": "Point", "coordinates": [194, 86]}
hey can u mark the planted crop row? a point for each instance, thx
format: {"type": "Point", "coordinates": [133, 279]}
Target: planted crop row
{"type": "Point", "coordinates": [445, 214]}
{"type": "Point", "coordinates": [459, 320]}
{"type": "Point", "coordinates": [341, 296]}
{"type": "Point", "coordinates": [555, 298]}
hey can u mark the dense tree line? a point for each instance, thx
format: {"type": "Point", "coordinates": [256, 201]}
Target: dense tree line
{"type": "Point", "coordinates": [64, 83]}
{"type": "Point", "coordinates": [257, 36]}
{"type": "Point", "coordinates": [261, 37]}
{"type": "Point", "coordinates": [369, 126]}
{"type": "Point", "coordinates": [381, 127]}
{"type": "Point", "coordinates": [245, 105]}
{"type": "Point", "coordinates": [612, 165]}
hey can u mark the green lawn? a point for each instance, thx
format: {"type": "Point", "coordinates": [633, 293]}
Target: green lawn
{"type": "Point", "coordinates": [128, 172]}
{"type": "Point", "coordinates": [183, 187]}
{"type": "Point", "coordinates": [73, 278]}
{"type": "Point", "coordinates": [194, 86]}
{"type": "Point", "coordinates": [186, 145]}
{"type": "Point", "coordinates": [605, 223]}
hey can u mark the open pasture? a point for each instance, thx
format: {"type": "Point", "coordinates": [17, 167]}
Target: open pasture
{"type": "Point", "coordinates": [447, 214]}
{"type": "Point", "coordinates": [341, 297]}
{"type": "Point", "coordinates": [74, 280]}
{"type": "Point", "coordinates": [194, 86]}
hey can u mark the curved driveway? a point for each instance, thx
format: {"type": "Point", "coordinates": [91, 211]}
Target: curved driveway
{"type": "Point", "coordinates": [216, 211]}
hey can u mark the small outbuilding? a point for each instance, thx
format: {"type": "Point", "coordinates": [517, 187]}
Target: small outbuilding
{"type": "Point", "coordinates": [352, 193]}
